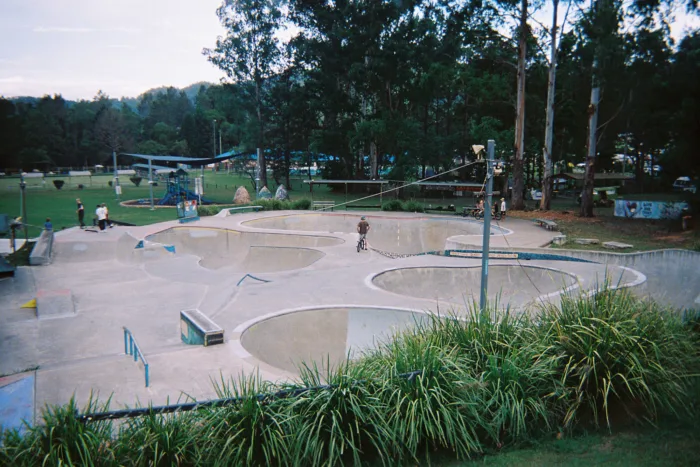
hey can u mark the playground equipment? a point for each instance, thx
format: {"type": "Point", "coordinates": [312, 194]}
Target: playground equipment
{"type": "Point", "coordinates": [178, 191]}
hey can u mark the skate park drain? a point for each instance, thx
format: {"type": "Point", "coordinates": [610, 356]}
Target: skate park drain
{"type": "Point", "coordinates": [324, 336]}
{"type": "Point", "coordinates": [507, 284]}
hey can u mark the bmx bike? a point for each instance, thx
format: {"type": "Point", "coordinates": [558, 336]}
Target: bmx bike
{"type": "Point", "coordinates": [361, 244]}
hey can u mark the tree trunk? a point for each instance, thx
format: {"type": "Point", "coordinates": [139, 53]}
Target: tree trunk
{"type": "Point", "coordinates": [261, 159]}
{"type": "Point", "coordinates": [545, 204]}
{"type": "Point", "coordinates": [589, 179]}
{"type": "Point", "coordinates": [374, 167]}
{"type": "Point", "coordinates": [287, 163]}
{"type": "Point", "coordinates": [518, 182]}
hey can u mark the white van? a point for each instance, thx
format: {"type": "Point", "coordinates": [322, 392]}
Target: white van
{"type": "Point", "coordinates": [684, 184]}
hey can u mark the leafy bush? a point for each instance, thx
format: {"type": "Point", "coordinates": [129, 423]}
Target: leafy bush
{"type": "Point", "coordinates": [81, 186]}
{"type": "Point", "coordinates": [208, 210]}
{"type": "Point", "coordinates": [110, 183]}
{"type": "Point", "coordinates": [136, 180]}
{"type": "Point", "coordinates": [618, 355]}
{"type": "Point", "coordinates": [393, 205]}
{"type": "Point", "coordinates": [302, 204]}
{"type": "Point", "coordinates": [273, 204]}
{"type": "Point", "coordinates": [60, 439]}
{"type": "Point", "coordinates": [58, 184]}
{"type": "Point", "coordinates": [413, 206]}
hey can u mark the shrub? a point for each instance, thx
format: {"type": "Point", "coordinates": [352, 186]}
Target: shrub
{"type": "Point", "coordinates": [58, 184]}
{"type": "Point", "coordinates": [393, 205]}
{"type": "Point", "coordinates": [208, 210]}
{"type": "Point", "coordinates": [413, 206]}
{"type": "Point", "coordinates": [110, 183]}
{"type": "Point", "coordinates": [136, 180]}
{"type": "Point", "coordinates": [161, 440]}
{"type": "Point", "coordinates": [60, 439]}
{"type": "Point", "coordinates": [251, 432]}
{"type": "Point", "coordinates": [273, 204]}
{"type": "Point", "coordinates": [618, 354]}
{"type": "Point", "coordinates": [302, 204]}
{"type": "Point", "coordinates": [81, 186]}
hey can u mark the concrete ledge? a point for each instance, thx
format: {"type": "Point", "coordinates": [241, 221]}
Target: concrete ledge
{"type": "Point", "coordinates": [41, 254]}
{"type": "Point", "coordinates": [54, 304]}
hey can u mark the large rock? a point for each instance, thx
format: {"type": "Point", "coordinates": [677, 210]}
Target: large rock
{"type": "Point", "coordinates": [281, 193]}
{"type": "Point", "coordinates": [616, 245]}
{"type": "Point", "coordinates": [264, 193]}
{"type": "Point", "coordinates": [241, 196]}
{"type": "Point", "coordinates": [587, 241]}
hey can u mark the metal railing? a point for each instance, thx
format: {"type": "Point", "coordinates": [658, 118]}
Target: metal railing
{"type": "Point", "coordinates": [132, 348]}
{"type": "Point", "coordinates": [197, 405]}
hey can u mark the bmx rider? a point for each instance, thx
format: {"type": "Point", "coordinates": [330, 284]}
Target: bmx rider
{"type": "Point", "coordinates": [362, 229]}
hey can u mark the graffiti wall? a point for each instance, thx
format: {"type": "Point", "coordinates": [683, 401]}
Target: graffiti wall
{"type": "Point", "coordinates": [649, 209]}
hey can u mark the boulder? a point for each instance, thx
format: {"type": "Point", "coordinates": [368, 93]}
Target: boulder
{"type": "Point", "coordinates": [616, 245]}
{"type": "Point", "coordinates": [281, 193]}
{"type": "Point", "coordinates": [587, 241]}
{"type": "Point", "coordinates": [241, 196]}
{"type": "Point", "coordinates": [264, 193]}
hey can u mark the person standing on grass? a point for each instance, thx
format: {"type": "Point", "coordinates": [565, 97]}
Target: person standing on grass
{"type": "Point", "coordinates": [101, 217]}
{"type": "Point", "coordinates": [81, 213]}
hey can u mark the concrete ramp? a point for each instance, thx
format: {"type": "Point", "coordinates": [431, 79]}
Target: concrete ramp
{"type": "Point", "coordinates": [245, 251]}
{"type": "Point", "coordinates": [509, 284]}
{"type": "Point", "coordinates": [322, 336]}
{"type": "Point", "coordinates": [394, 234]}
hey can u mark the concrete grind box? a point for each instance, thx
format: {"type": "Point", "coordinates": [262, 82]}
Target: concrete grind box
{"type": "Point", "coordinates": [198, 329]}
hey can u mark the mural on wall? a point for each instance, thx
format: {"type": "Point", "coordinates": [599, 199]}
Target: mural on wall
{"type": "Point", "coordinates": [649, 209]}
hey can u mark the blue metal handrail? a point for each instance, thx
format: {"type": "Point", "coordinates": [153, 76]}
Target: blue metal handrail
{"type": "Point", "coordinates": [132, 348]}
{"type": "Point", "coordinates": [252, 277]}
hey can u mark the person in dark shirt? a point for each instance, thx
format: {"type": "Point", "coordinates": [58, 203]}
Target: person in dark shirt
{"type": "Point", "coordinates": [81, 213]}
{"type": "Point", "coordinates": [362, 228]}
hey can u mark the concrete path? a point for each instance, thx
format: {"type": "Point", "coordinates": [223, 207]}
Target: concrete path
{"type": "Point", "coordinates": [142, 277]}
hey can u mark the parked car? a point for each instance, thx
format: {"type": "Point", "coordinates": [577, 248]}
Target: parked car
{"type": "Point", "coordinates": [685, 184]}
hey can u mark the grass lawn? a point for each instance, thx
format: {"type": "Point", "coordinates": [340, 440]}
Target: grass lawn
{"type": "Point", "coordinates": [643, 234]}
{"type": "Point", "coordinates": [649, 447]}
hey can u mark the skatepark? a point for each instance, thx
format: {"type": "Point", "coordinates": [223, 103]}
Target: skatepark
{"type": "Point", "coordinates": [284, 287]}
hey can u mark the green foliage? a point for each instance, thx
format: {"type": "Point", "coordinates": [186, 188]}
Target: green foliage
{"type": "Point", "coordinates": [413, 206]}
{"type": "Point", "coordinates": [618, 356]}
{"type": "Point", "coordinates": [301, 204]}
{"type": "Point", "coordinates": [273, 204]}
{"type": "Point", "coordinates": [451, 386]}
{"type": "Point", "coordinates": [58, 184]}
{"type": "Point", "coordinates": [60, 439]}
{"type": "Point", "coordinates": [136, 180]}
{"type": "Point", "coordinates": [252, 432]}
{"type": "Point", "coordinates": [208, 210]}
{"type": "Point", "coordinates": [162, 440]}
{"type": "Point", "coordinates": [393, 205]}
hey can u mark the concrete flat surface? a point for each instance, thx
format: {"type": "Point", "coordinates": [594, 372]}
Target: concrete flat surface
{"type": "Point", "coordinates": [143, 277]}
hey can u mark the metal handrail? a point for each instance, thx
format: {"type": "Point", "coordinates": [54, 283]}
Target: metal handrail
{"type": "Point", "coordinates": [132, 348]}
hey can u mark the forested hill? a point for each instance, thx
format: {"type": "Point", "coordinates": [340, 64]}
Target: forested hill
{"type": "Point", "coordinates": [133, 102]}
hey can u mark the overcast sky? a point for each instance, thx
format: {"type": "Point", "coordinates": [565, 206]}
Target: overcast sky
{"type": "Point", "coordinates": [123, 47]}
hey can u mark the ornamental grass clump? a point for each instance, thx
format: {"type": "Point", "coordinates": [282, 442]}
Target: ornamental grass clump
{"type": "Point", "coordinates": [60, 439]}
{"type": "Point", "coordinates": [618, 356]}
{"type": "Point", "coordinates": [161, 440]}
{"type": "Point", "coordinates": [253, 431]}
{"type": "Point", "coordinates": [342, 421]}
{"type": "Point", "coordinates": [422, 389]}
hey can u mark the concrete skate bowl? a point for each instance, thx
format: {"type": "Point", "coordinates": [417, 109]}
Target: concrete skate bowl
{"type": "Point", "coordinates": [249, 251]}
{"type": "Point", "coordinates": [95, 248]}
{"type": "Point", "coordinates": [507, 284]}
{"type": "Point", "coordinates": [394, 234]}
{"type": "Point", "coordinates": [324, 336]}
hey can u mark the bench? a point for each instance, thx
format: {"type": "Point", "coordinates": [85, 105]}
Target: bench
{"type": "Point", "coordinates": [323, 205]}
{"type": "Point", "coordinates": [198, 329]}
{"type": "Point", "coordinates": [244, 209]}
{"type": "Point", "coordinates": [547, 224]}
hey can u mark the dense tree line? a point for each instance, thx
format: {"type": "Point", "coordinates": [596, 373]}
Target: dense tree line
{"type": "Point", "coordinates": [409, 84]}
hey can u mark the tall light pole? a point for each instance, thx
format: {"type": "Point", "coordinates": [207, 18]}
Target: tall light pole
{"type": "Point", "coordinates": [117, 190]}
{"type": "Point", "coordinates": [23, 194]}
{"type": "Point", "coordinates": [487, 225]}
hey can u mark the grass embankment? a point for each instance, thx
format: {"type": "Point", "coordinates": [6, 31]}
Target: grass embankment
{"type": "Point", "coordinates": [487, 384]}
{"type": "Point", "coordinates": [643, 234]}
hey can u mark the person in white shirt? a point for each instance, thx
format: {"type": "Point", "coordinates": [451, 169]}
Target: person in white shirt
{"type": "Point", "coordinates": [503, 208]}
{"type": "Point", "coordinates": [101, 214]}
